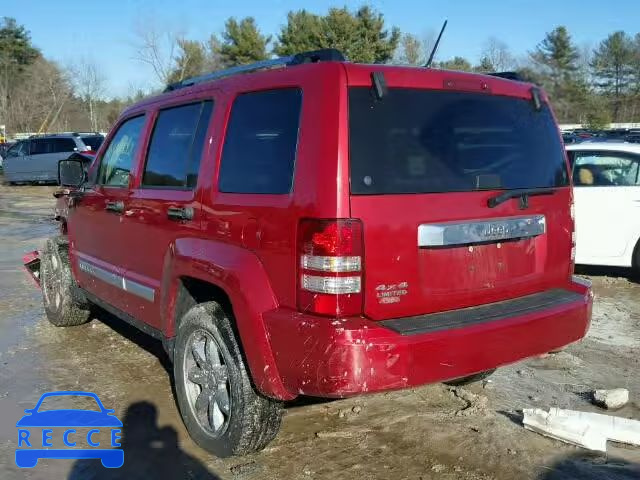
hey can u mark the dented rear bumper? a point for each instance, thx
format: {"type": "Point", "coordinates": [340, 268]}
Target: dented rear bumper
{"type": "Point", "coordinates": [31, 262]}
{"type": "Point", "coordinates": [338, 358]}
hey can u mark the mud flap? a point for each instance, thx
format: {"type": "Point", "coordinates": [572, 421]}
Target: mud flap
{"type": "Point", "coordinates": [31, 262]}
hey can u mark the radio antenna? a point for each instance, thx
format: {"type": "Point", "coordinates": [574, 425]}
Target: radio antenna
{"type": "Point", "coordinates": [435, 47]}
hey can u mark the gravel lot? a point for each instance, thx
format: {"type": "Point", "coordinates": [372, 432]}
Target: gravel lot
{"type": "Point", "coordinates": [429, 432]}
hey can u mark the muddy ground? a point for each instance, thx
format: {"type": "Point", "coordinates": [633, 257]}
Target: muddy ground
{"type": "Point", "coordinates": [423, 433]}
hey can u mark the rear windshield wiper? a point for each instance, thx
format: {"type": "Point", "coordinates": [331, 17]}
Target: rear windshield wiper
{"type": "Point", "coordinates": [523, 194]}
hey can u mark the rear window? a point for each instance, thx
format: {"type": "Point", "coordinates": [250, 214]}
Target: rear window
{"type": "Point", "coordinates": [425, 141]}
{"type": "Point", "coordinates": [93, 142]}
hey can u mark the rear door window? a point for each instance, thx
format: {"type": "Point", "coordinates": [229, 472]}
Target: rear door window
{"type": "Point", "coordinates": [176, 146]}
{"type": "Point", "coordinates": [605, 169]}
{"type": "Point", "coordinates": [61, 145]}
{"type": "Point", "coordinates": [40, 146]}
{"type": "Point", "coordinates": [119, 157]}
{"type": "Point", "coordinates": [261, 142]}
{"type": "Point", "coordinates": [426, 141]}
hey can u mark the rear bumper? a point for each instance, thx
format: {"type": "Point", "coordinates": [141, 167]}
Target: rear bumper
{"type": "Point", "coordinates": [320, 357]}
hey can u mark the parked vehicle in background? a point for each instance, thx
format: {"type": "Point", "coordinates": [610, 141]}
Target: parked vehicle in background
{"type": "Point", "coordinates": [3, 151]}
{"type": "Point", "coordinates": [323, 228]}
{"type": "Point", "coordinates": [569, 138]}
{"type": "Point", "coordinates": [606, 178]}
{"type": "Point", "coordinates": [36, 159]}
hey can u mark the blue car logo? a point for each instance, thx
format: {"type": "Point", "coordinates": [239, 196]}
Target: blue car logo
{"type": "Point", "coordinates": [32, 446]}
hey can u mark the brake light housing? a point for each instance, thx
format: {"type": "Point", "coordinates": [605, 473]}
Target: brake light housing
{"type": "Point", "coordinates": [330, 267]}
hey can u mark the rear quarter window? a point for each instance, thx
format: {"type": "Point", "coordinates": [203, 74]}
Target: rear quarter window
{"type": "Point", "coordinates": [93, 142]}
{"type": "Point", "coordinates": [426, 141]}
{"type": "Point", "coordinates": [261, 142]}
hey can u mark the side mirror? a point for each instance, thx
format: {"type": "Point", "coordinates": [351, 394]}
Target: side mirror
{"type": "Point", "coordinates": [71, 173]}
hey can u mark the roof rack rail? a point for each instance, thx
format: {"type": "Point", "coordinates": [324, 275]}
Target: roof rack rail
{"type": "Point", "coordinates": [508, 75]}
{"type": "Point", "coordinates": [314, 56]}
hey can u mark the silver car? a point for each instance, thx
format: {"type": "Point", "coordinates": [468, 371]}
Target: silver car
{"type": "Point", "coordinates": [36, 159]}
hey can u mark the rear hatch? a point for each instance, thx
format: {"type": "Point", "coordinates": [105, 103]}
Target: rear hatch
{"type": "Point", "coordinates": [424, 165]}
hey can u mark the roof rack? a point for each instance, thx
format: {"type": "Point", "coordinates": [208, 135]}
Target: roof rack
{"type": "Point", "coordinates": [314, 56]}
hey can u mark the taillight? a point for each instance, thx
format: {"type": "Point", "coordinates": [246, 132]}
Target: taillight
{"type": "Point", "coordinates": [330, 264]}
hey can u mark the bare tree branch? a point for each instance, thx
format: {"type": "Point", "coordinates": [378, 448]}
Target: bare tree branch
{"type": "Point", "coordinates": [157, 49]}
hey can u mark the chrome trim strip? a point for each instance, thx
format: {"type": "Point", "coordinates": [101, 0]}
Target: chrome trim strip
{"type": "Point", "coordinates": [480, 231]}
{"type": "Point", "coordinates": [100, 273]}
{"type": "Point", "coordinates": [118, 281]}
{"type": "Point", "coordinates": [138, 289]}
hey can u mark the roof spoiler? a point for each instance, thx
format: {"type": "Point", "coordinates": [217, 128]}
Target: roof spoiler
{"type": "Point", "coordinates": [507, 75]}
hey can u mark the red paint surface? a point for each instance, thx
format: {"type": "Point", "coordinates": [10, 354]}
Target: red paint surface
{"type": "Point", "coordinates": [246, 246]}
{"type": "Point", "coordinates": [341, 358]}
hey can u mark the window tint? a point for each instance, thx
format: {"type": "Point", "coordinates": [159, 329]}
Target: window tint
{"type": "Point", "coordinates": [176, 146]}
{"type": "Point", "coordinates": [198, 145]}
{"type": "Point", "coordinates": [93, 142]}
{"type": "Point", "coordinates": [40, 146]}
{"type": "Point", "coordinates": [59, 145]}
{"type": "Point", "coordinates": [421, 141]}
{"type": "Point", "coordinates": [260, 146]}
{"type": "Point", "coordinates": [605, 169]}
{"type": "Point", "coordinates": [118, 158]}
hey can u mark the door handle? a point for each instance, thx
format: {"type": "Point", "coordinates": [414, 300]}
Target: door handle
{"type": "Point", "coordinates": [115, 207]}
{"type": "Point", "coordinates": [180, 213]}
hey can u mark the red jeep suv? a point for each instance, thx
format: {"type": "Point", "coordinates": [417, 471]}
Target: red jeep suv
{"type": "Point", "coordinates": [310, 226]}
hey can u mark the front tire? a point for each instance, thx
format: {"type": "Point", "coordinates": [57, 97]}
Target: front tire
{"type": "Point", "coordinates": [222, 411]}
{"type": "Point", "coordinates": [64, 304]}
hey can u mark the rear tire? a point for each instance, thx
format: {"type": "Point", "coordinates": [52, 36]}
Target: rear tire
{"type": "Point", "coordinates": [64, 304]}
{"type": "Point", "coordinates": [458, 382]}
{"type": "Point", "coordinates": [635, 262]}
{"type": "Point", "coordinates": [222, 411]}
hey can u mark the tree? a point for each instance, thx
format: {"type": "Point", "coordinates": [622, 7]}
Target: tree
{"type": "Point", "coordinates": [303, 32]}
{"type": "Point", "coordinates": [456, 63]}
{"type": "Point", "coordinates": [213, 60]}
{"type": "Point", "coordinates": [89, 84]}
{"type": "Point", "coordinates": [531, 75]}
{"type": "Point", "coordinates": [157, 49]}
{"type": "Point", "coordinates": [596, 114]}
{"type": "Point", "coordinates": [636, 65]}
{"type": "Point", "coordinates": [556, 63]}
{"type": "Point", "coordinates": [496, 53]}
{"type": "Point", "coordinates": [242, 42]}
{"type": "Point", "coordinates": [44, 92]}
{"type": "Point", "coordinates": [411, 50]}
{"type": "Point", "coordinates": [16, 55]}
{"type": "Point", "coordinates": [361, 36]}
{"type": "Point", "coordinates": [190, 61]}
{"type": "Point", "coordinates": [15, 44]}
{"type": "Point", "coordinates": [557, 55]}
{"type": "Point", "coordinates": [613, 67]}
{"type": "Point", "coordinates": [485, 66]}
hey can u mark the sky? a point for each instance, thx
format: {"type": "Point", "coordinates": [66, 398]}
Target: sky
{"type": "Point", "coordinates": [105, 32]}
